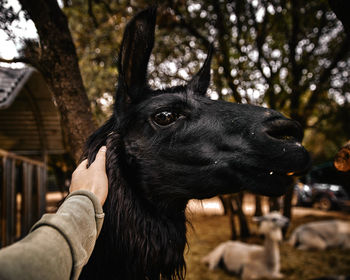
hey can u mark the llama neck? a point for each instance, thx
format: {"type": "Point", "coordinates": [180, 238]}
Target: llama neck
{"type": "Point", "coordinates": [150, 242]}
{"type": "Point", "coordinates": [137, 241]}
{"type": "Point", "coordinates": [271, 252]}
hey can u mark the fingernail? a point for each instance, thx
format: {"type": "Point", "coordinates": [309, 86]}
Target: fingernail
{"type": "Point", "coordinates": [103, 149]}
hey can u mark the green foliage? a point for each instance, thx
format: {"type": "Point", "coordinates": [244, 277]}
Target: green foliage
{"type": "Point", "coordinates": [97, 51]}
{"type": "Point", "coordinates": [288, 55]}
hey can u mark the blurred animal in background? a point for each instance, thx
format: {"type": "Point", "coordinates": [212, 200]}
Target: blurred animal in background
{"type": "Point", "coordinates": [321, 235]}
{"type": "Point", "coordinates": [248, 260]}
{"type": "Point", "coordinates": [342, 158]}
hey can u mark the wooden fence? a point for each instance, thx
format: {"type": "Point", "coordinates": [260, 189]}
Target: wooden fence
{"type": "Point", "coordinates": [22, 195]}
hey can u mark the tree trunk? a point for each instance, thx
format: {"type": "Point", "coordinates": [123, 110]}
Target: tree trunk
{"type": "Point", "coordinates": [58, 63]}
{"type": "Point", "coordinates": [224, 204]}
{"type": "Point", "coordinates": [274, 204]}
{"type": "Point", "coordinates": [243, 224]}
{"type": "Point", "coordinates": [231, 214]}
{"type": "Point", "coordinates": [287, 206]}
{"type": "Point", "coordinates": [226, 201]}
{"type": "Point", "coordinates": [258, 206]}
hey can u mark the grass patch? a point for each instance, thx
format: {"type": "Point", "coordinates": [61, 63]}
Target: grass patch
{"type": "Point", "coordinates": [208, 231]}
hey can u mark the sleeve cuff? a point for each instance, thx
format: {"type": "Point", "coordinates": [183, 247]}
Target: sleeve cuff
{"type": "Point", "coordinates": [99, 215]}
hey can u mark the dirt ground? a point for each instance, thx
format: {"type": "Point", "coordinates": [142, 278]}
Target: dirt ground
{"type": "Point", "coordinates": [207, 231]}
{"type": "Point", "coordinates": [208, 227]}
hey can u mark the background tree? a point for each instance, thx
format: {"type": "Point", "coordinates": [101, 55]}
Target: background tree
{"type": "Point", "coordinates": [340, 8]}
{"type": "Point", "coordinates": [55, 57]}
{"type": "Point", "coordinates": [288, 55]}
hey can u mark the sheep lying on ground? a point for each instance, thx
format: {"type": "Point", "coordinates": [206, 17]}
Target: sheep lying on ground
{"type": "Point", "coordinates": [252, 261]}
{"type": "Point", "coordinates": [322, 235]}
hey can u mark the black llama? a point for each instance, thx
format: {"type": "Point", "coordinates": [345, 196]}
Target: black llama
{"type": "Point", "coordinates": [171, 145]}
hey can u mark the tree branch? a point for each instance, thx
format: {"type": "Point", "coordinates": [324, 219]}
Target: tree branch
{"type": "Point", "coordinates": [295, 68]}
{"type": "Point", "coordinates": [17, 60]}
{"type": "Point", "coordinates": [324, 77]}
{"type": "Point", "coordinates": [107, 7]}
{"type": "Point", "coordinates": [341, 10]}
{"type": "Point", "coordinates": [190, 28]}
{"type": "Point", "coordinates": [91, 13]}
{"type": "Point", "coordinates": [260, 39]}
{"type": "Point", "coordinates": [225, 51]}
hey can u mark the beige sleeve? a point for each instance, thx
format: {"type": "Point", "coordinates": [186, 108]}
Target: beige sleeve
{"type": "Point", "coordinates": [59, 245]}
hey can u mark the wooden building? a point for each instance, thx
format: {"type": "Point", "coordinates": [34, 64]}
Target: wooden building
{"type": "Point", "coordinates": [30, 131]}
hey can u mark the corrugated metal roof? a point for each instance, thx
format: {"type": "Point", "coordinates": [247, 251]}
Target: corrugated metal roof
{"type": "Point", "coordinates": [11, 82]}
{"type": "Point", "coordinates": [29, 119]}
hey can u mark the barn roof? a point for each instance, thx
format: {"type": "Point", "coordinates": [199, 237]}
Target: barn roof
{"type": "Point", "coordinates": [11, 81]}
{"type": "Point", "coordinates": [29, 118]}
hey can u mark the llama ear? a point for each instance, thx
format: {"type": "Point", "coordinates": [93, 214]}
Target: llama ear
{"type": "Point", "coordinates": [135, 51]}
{"type": "Point", "coordinates": [200, 82]}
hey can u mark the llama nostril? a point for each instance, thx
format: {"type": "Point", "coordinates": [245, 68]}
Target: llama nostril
{"type": "Point", "coordinates": [285, 130]}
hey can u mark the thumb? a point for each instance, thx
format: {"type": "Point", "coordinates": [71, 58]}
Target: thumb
{"type": "Point", "coordinates": [82, 165]}
{"type": "Point", "coordinates": [100, 159]}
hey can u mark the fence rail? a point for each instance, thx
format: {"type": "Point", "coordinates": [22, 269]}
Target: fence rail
{"type": "Point", "coordinates": [22, 195]}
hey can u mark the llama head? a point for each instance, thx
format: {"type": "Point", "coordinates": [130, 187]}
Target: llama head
{"type": "Point", "coordinates": [271, 225]}
{"type": "Point", "coordinates": [178, 144]}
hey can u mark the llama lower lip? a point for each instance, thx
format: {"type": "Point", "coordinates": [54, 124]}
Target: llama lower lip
{"type": "Point", "coordinates": [264, 182]}
{"type": "Point", "coordinates": [281, 174]}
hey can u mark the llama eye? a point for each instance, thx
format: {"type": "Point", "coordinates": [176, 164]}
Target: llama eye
{"type": "Point", "coordinates": [165, 118]}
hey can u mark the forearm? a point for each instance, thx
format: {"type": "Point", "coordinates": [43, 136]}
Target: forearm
{"type": "Point", "coordinates": [59, 245]}
{"type": "Point", "coordinates": [35, 257]}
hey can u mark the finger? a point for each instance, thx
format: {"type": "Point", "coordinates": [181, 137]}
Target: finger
{"type": "Point", "coordinates": [101, 157]}
{"type": "Point", "coordinates": [82, 165]}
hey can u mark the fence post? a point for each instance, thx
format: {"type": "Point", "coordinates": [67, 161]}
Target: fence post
{"type": "Point", "coordinates": [42, 190]}
{"type": "Point", "coordinates": [27, 198]}
{"type": "Point", "coordinates": [38, 192]}
{"type": "Point", "coordinates": [27, 179]}
{"type": "Point", "coordinates": [8, 205]}
{"type": "Point", "coordinates": [2, 204]}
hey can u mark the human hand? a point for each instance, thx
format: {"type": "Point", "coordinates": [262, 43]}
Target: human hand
{"type": "Point", "coordinates": [94, 178]}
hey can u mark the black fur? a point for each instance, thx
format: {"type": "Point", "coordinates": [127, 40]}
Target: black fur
{"type": "Point", "coordinates": [209, 148]}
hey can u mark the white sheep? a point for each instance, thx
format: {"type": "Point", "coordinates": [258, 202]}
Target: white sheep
{"type": "Point", "coordinates": [252, 261]}
{"type": "Point", "coordinates": [321, 235]}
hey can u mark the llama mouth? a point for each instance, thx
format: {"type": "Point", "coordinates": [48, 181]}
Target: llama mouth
{"type": "Point", "coordinates": [270, 183]}
{"type": "Point", "coordinates": [273, 181]}
{"type": "Point", "coordinates": [281, 174]}
{"type": "Point", "coordinates": [266, 183]}
{"type": "Point", "coordinates": [294, 161]}
{"type": "Point", "coordinates": [289, 174]}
